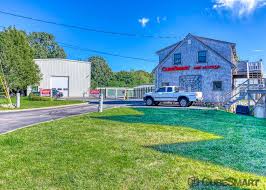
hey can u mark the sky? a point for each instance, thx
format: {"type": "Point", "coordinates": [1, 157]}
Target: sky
{"type": "Point", "coordinates": [238, 21]}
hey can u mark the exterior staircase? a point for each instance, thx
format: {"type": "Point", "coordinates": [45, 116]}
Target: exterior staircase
{"type": "Point", "coordinates": [241, 92]}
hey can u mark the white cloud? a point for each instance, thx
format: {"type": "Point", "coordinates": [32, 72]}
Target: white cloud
{"type": "Point", "coordinates": [258, 50]}
{"type": "Point", "coordinates": [143, 21]}
{"type": "Point", "coordinates": [239, 7]}
{"type": "Point", "coordinates": [160, 19]}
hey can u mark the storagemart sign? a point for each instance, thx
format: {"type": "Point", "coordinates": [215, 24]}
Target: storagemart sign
{"type": "Point", "coordinates": [184, 68]}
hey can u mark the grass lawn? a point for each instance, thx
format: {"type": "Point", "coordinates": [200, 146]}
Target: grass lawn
{"type": "Point", "coordinates": [26, 104]}
{"type": "Point", "coordinates": [126, 148]}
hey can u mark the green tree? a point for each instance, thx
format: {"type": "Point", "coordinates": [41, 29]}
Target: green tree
{"type": "Point", "coordinates": [101, 73]}
{"type": "Point", "coordinates": [142, 77]}
{"type": "Point", "coordinates": [45, 46]}
{"type": "Point", "coordinates": [16, 57]}
{"type": "Point", "coordinates": [131, 78]}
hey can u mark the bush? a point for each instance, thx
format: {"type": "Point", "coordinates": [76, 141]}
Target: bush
{"type": "Point", "coordinates": [33, 97]}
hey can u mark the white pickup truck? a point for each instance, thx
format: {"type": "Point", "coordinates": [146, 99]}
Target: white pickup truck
{"type": "Point", "coordinates": [171, 94]}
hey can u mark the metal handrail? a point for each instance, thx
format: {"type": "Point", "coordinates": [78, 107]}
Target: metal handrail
{"type": "Point", "coordinates": [240, 85]}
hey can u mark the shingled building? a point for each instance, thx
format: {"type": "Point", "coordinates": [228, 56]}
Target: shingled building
{"type": "Point", "coordinates": [199, 64]}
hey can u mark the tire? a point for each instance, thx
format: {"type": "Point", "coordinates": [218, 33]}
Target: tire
{"type": "Point", "coordinates": [149, 102]}
{"type": "Point", "coordinates": [190, 104]}
{"type": "Point", "coordinates": [156, 103]}
{"type": "Point", "coordinates": [183, 102]}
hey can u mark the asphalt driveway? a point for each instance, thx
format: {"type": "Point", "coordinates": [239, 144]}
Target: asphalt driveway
{"type": "Point", "coordinates": [10, 121]}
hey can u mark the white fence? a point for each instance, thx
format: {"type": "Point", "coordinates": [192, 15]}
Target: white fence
{"type": "Point", "coordinates": [126, 93]}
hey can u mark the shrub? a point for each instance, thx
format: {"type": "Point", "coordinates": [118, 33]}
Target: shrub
{"type": "Point", "coordinates": [33, 97]}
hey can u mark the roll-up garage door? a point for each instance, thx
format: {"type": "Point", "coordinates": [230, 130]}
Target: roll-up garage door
{"type": "Point", "coordinates": [61, 84]}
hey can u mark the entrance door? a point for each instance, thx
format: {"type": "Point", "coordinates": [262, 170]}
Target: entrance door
{"type": "Point", "coordinates": [60, 84]}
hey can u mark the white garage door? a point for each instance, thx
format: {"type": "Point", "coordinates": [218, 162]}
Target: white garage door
{"type": "Point", "coordinates": [60, 84]}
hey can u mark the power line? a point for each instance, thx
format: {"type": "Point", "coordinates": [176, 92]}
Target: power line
{"type": "Point", "coordinates": [101, 52]}
{"type": "Point", "coordinates": [85, 28]}
{"type": "Point", "coordinates": [105, 53]}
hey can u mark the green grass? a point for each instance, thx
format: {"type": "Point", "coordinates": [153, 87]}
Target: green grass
{"type": "Point", "coordinates": [26, 104]}
{"type": "Point", "coordinates": [123, 148]}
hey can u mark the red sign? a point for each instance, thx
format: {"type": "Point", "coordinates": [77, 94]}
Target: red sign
{"type": "Point", "coordinates": [207, 67]}
{"type": "Point", "coordinates": [183, 68]}
{"type": "Point", "coordinates": [95, 92]}
{"type": "Point", "coordinates": [45, 92]}
{"type": "Point", "coordinates": [176, 68]}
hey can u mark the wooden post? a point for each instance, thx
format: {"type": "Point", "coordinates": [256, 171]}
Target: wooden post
{"type": "Point", "coordinates": [18, 100]}
{"type": "Point", "coordinates": [100, 107]}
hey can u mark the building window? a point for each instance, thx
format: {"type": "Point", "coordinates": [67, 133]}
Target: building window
{"type": "Point", "coordinates": [202, 56]}
{"type": "Point", "coordinates": [177, 58]}
{"type": "Point", "coordinates": [217, 86]}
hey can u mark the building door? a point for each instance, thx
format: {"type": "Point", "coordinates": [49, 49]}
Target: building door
{"type": "Point", "coordinates": [191, 83]}
{"type": "Point", "coordinates": [61, 84]}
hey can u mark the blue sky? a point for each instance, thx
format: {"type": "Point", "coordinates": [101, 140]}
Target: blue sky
{"type": "Point", "coordinates": [239, 21]}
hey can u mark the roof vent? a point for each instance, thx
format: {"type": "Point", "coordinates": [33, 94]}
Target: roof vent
{"type": "Point", "coordinates": [189, 42]}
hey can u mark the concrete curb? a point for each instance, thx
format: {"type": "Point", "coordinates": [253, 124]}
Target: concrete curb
{"type": "Point", "coordinates": [44, 108]}
{"type": "Point", "coordinates": [178, 108]}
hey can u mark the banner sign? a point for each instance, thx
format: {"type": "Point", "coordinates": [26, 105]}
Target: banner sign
{"type": "Point", "coordinates": [184, 68]}
{"type": "Point", "coordinates": [94, 92]}
{"type": "Point", "coordinates": [45, 92]}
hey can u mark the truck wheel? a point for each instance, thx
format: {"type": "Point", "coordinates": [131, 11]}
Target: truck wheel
{"type": "Point", "coordinates": [149, 102]}
{"type": "Point", "coordinates": [183, 102]}
{"type": "Point", "coordinates": [190, 104]}
{"type": "Point", "coordinates": [156, 103]}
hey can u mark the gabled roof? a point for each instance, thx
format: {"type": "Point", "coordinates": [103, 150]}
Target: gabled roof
{"type": "Point", "coordinates": [210, 39]}
{"type": "Point", "coordinates": [157, 52]}
{"type": "Point", "coordinates": [199, 39]}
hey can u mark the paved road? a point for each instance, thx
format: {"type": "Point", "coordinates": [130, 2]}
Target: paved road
{"type": "Point", "coordinates": [14, 120]}
{"type": "Point", "coordinates": [10, 121]}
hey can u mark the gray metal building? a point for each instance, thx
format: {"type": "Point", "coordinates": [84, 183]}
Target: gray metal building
{"type": "Point", "coordinates": [70, 77]}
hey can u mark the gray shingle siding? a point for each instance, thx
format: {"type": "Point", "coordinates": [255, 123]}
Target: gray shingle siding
{"type": "Point", "coordinates": [165, 52]}
{"type": "Point", "coordinates": [203, 78]}
{"type": "Point", "coordinates": [223, 49]}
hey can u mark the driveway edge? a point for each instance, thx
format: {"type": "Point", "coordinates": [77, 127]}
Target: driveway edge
{"type": "Point", "coordinates": [43, 108]}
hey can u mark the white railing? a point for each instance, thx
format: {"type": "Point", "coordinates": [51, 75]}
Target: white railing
{"type": "Point", "coordinates": [240, 91]}
{"type": "Point", "coordinates": [255, 66]}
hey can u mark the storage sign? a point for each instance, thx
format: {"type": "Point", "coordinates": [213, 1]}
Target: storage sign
{"type": "Point", "coordinates": [45, 92]}
{"type": "Point", "coordinates": [184, 68]}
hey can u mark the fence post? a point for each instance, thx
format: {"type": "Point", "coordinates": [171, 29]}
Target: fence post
{"type": "Point", "coordinates": [18, 100]}
{"type": "Point", "coordinates": [100, 107]}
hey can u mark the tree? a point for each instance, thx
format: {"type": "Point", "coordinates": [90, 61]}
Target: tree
{"type": "Point", "coordinates": [142, 77]}
{"type": "Point", "coordinates": [45, 46]}
{"type": "Point", "coordinates": [16, 57]}
{"type": "Point", "coordinates": [131, 78]}
{"type": "Point", "coordinates": [101, 73]}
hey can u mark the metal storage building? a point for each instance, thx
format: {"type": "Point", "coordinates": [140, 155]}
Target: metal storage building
{"type": "Point", "coordinates": [70, 77]}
